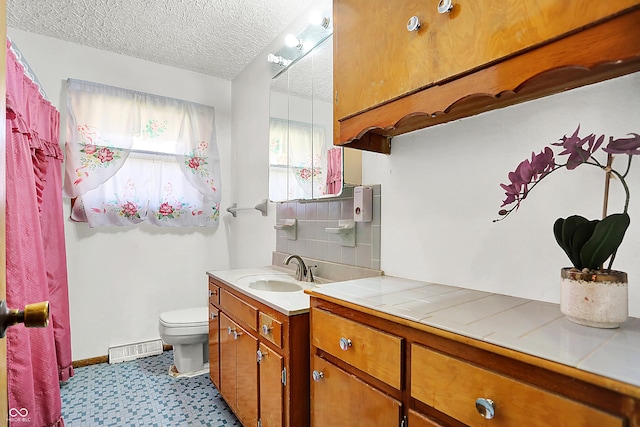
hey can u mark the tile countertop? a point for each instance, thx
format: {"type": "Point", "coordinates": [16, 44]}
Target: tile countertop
{"type": "Point", "coordinates": [532, 327]}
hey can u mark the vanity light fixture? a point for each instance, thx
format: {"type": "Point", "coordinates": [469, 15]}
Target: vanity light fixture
{"type": "Point", "coordinates": [279, 60]}
{"type": "Point", "coordinates": [293, 41]}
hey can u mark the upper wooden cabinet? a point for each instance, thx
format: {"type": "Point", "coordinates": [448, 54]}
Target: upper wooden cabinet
{"type": "Point", "coordinates": [480, 55]}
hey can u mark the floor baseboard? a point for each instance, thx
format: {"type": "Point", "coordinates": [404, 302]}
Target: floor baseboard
{"type": "Point", "coordinates": [104, 359]}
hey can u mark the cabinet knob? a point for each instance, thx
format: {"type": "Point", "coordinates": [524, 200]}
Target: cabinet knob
{"type": "Point", "coordinates": [229, 330]}
{"type": "Point", "coordinates": [317, 375]}
{"type": "Point", "coordinates": [413, 24]}
{"type": "Point", "coordinates": [345, 343]}
{"type": "Point", "coordinates": [213, 316]}
{"type": "Point", "coordinates": [485, 407]}
{"type": "Point", "coordinates": [445, 6]}
{"type": "Point", "coordinates": [266, 330]}
{"type": "Point", "coordinates": [236, 334]}
{"type": "Point", "coordinates": [261, 356]}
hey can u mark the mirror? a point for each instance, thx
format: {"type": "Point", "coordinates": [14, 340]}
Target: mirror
{"type": "Point", "coordinates": [303, 163]}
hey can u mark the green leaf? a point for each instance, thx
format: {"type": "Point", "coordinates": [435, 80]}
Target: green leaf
{"type": "Point", "coordinates": [607, 237]}
{"type": "Point", "coordinates": [580, 237]}
{"type": "Point", "coordinates": [557, 232]}
{"type": "Point", "coordinates": [569, 227]}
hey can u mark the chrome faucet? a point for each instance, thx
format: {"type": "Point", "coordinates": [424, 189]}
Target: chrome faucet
{"type": "Point", "coordinates": [302, 272]}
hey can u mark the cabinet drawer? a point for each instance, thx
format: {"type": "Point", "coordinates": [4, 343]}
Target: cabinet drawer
{"type": "Point", "coordinates": [452, 386]}
{"type": "Point", "coordinates": [214, 293]}
{"type": "Point", "coordinates": [375, 352]}
{"type": "Point", "coordinates": [271, 329]}
{"type": "Point", "coordinates": [239, 309]}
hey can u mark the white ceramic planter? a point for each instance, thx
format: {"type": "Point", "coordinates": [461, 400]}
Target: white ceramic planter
{"type": "Point", "coordinates": [599, 300]}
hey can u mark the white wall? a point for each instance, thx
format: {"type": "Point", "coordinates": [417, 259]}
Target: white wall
{"type": "Point", "coordinates": [120, 279]}
{"type": "Point", "coordinates": [441, 193]}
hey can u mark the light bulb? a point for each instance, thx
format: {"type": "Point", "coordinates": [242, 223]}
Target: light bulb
{"type": "Point", "coordinates": [274, 59]}
{"type": "Point", "coordinates": [293, 41]}
{"type": "Point", "coordinates": [316, 18]}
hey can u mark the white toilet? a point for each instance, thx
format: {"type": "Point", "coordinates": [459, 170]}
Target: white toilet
{"type": "Point", "coordinates": [187, 330]}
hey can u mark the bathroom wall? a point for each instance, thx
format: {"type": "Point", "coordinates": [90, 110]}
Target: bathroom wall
{"type": "Point", "coordinates": [120, 279]}
{"type": "Point", "coordinates": [313, 241]}
{"type": "Point", "coordinates": [441, 194]}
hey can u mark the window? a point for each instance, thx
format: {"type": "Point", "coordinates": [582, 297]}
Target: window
{"type": "Point", "coordinates": [134, 157]}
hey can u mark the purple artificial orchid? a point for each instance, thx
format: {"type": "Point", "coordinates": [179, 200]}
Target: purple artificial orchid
{"type": "Point", "coordinates": [580, 151]}
{"type": "Point", "coordinates": [595, 240]}
{"type": "Point", "coordinates": [630, 146]}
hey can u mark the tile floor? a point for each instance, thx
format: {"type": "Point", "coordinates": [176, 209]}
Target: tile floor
{"type": "Point", "coordinates": [141, 393]}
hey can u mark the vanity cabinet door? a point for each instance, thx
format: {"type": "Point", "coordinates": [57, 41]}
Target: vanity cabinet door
{"type": "Point", "coordinates": [239, 370]}
{"type": "Point", "coordinates": [341, 399]}
{"type": "Point", "coordinates": [271, 387]}
{"type": "Point", "coordinates": [228, 361]}
{"type": "Point", "coordinates": [214, 345]}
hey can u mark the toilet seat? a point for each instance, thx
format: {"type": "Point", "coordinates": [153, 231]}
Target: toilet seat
{"type": "Point", "coordinates": [185, 318]}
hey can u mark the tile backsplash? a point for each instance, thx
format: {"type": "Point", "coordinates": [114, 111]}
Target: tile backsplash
{"type": "Point", "coordinates": [315, 216]}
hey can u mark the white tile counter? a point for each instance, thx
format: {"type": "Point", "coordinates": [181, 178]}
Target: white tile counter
{"type": "Point", "coordinates": [531, 327]}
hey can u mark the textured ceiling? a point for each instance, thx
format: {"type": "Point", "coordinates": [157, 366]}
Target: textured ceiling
{"type": "Point", "coordinates": [213, 37]}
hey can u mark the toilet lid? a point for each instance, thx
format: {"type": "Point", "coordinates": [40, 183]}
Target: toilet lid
{"type": "Point", "coordinates": [198, 316]}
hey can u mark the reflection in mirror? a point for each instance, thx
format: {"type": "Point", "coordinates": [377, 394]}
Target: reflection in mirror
{"type": "Point", "coordinates": [303, 164]}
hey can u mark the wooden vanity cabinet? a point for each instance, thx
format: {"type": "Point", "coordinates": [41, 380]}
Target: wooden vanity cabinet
{"type": "Point", "coordinates": [263, 359]}
{"type": "Point", "coordinates": [445, 379]}
{"type": "Point", "coordinates": [479, 56]}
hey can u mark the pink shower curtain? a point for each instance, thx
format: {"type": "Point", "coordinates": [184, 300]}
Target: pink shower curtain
{"type": "Point", "coordinates": [37, 358]}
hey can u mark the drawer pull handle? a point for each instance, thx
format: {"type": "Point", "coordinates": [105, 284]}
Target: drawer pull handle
{"type": "Point", "coordinates": [317, 375]}
{"type": "Point", "coordinates": [345, 343]}
{"type": "Point", "coordinates": [486, 408]}
{"type": "Point", "coordinates": [266, 330]}
{"type": "Point", "coordinates": [445, 6]}
{"type": "Point", "coordinates": [413, 24]}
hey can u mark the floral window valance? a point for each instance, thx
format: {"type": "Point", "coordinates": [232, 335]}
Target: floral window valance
{"type": "Point", "coordinates": [134, 157]}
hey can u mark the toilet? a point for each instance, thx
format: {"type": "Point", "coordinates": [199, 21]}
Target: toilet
{"type": "Point", "coordinates": [187, 330]}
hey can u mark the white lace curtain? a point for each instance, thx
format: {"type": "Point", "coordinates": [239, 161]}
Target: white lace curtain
{"type": "Point", "coordinates": [133, 157]}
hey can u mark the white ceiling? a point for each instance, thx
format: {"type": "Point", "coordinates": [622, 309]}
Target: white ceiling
{"type": "Point", "coordinates": [213, 37]}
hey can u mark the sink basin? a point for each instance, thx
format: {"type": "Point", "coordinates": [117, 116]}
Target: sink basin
{"type": "Point", "coordinates": [274, 285]}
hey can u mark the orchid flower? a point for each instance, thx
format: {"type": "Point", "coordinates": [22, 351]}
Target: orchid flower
{"type": "Point", "coordinates": [587, 243]}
